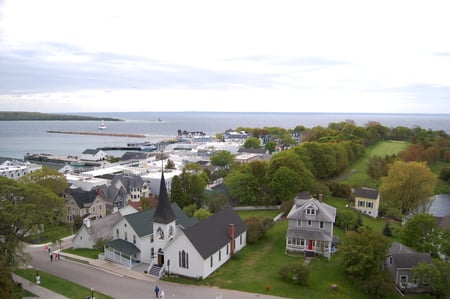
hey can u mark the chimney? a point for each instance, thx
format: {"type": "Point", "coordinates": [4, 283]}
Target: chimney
{"type": "Point", "coordinates": [87, 222]}
{"type": "Point", "coordinates": [232, 236]}
{"type": "Point", "coordinates": [320, 197]}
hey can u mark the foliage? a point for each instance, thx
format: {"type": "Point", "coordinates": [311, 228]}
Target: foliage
{"type": "Point", "coordinates": [243, 185]}
{"type": "Point", "coordinates": [256, 227]}
{"type": "Point", "coordinates": [25, 208]}
{"type": "Point", "coordinates": [48, 178]}
{"type": "Point", "coordinates": [387, 230]}
{"type": "Point", "coordinates": [297, 273]}
{"type": "Point", "coordinates": [363, 252]}
{"type": "Point", "coordinates": [348, 220]}
{"type": "Point", "coordinates": [187, 188]}
{"type": "Point", "coordinates": [421, 233]}
{"type": "Point", "coordinates": [170, 164]}
{"type": "Point", "coordinates": [100, 244]}
{"type": "Point", "coordinates": [202, 214]}
{"type": "Point", "coordinates": [339, 189]}
{"type": "Point", "coordinates": [22, 115]}
{"type": "Point", "coordinates": [252, 142]}
{"type": "Point", "coordinates": [286, 205]}
{"type": "Point", "coordinates": [222, 158]}
{"type": "Point", "coordinates": [215, 201]}
{"type": "Point", "coordinates": [271, 146]}
{"type": "Point", "coordinates": [408, 186]}
{"type": "Point", "coordinates": [7, 286]}
{"type": "Point", "coordinates": [445, 174]}
{"type": "Point", "coordinates": [436, 276]}
{"type": "Point", "coordinates": [377, 167]}
{"type": "Point", "coordinates": [285, 184]}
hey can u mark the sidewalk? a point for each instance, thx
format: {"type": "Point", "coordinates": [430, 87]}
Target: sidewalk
{"type": "Point", "coordinates": [36, 289]}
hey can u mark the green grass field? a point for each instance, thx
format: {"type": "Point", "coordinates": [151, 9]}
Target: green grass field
{"type": "Point", "coordinates": [59, 285]}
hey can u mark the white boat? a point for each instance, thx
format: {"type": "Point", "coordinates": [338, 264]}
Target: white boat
{"type": "Point", "coordinates": [102, 126]}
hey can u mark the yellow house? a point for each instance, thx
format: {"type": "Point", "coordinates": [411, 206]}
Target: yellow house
{"type": "Point", "coordinates": [367, 201]}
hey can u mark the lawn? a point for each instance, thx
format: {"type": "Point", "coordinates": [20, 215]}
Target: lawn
{"type": "Point", "coordinates": [89, 253]}
{"type": "Point", "coordinates": [358, 170]}
{"type": "Point", "coordinates": [59, 285]}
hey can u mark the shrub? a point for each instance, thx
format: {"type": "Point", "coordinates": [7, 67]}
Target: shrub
{"type": "Point", "coordinates": [295, 273]}
{"type": "Point", "coordinates": [256, 227]}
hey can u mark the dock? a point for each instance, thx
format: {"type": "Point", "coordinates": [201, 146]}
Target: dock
{"type": "Point", "coordinates": [99, 134]}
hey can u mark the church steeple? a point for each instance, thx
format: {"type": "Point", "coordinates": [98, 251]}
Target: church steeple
{"type": "Point", "coordinates": [164, 213]}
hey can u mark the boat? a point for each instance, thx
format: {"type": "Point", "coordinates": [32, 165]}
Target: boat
{"type": "Point", "coordinates": [146, 146]}
{"type": "Point", "coordinates": [102, 126]}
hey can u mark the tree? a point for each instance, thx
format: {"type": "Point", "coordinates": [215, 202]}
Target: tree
{"type": "Point", "coordinates": [271, 146]}
{"type": "Point", "coordinates": [48, 178]}
{"type": "Point", "coordinates": [252, 142]}
{"type": "Point", "coordinates": [285, 184]}
{"type": "Point", "coordinates": [435, 275]}
{"type": "Point", "coordinates": [202, 214]}
{"type": "Point", "coordinates": [177, 193]}
{"type": "Point", "coordinates": [421, 233]}
{"type": "Point", "coordinates": [376, 167]}
{"type": "Point", "coordinates": [297, 273]}
{"type": "Point", "coordinates": [243, 186]}
{"type": "Point", "coordinates": [170, 164]}
{"type": "Point", "coordinates": [221, 158]}
{"type": "Point", "coordinates": [216, 201]}
{"type": "Point", "coordinates": [408, 186]}
{"type": "Point", "coordinates": [387, 230]}
{"type": "Point", "coordinates": [363, 252]}
{"type": "Point", "coordinates": [24, 208]}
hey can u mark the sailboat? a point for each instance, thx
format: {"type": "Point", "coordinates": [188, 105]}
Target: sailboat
{"type": "Point", "coordinates": [102, 126]}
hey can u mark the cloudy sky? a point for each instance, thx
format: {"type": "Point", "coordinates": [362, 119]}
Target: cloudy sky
{"type": "Point", "coordinates": [293, 56]}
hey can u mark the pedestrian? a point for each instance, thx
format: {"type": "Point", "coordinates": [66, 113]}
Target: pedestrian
{"type": "Point", "coordinates": [156, 291]}
{"type": "Point", "coordinates": [51, 257]}
{"type": "Point", "coordinates": [161, 294]}
{"type": "Point", "coordinates": [49, 249]}
{"type": "Point", "coordinates": [59, 255]}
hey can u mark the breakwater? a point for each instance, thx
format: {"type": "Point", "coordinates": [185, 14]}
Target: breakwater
{"type": "Point", "coordinates": [99, 134]}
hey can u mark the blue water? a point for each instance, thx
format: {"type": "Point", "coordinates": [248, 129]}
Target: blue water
{"type": "Point", "coordinates": [20, 137]}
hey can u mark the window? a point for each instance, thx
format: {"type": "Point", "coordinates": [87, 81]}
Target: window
{"type": "Point", "coordinates": [310, 211]}
{"type": "Point", "coordinates": [360, 203]}
{"type": "Point", "coordinates": [299, 222]}
{"type": "Point", "coordinates": [220, 255]}
{"type": "Point", "coordinates": [183, 259]}
{"type": "Point", "coordinates": [369, 204]}
{"type": "Point", "coordinates": [321, 224]}
{"type": "Point", "coordinates": [160, 233]}
{"type": "Point", "coordinates": [309, 222]}
{"type": "Point", "coordinates": [134, 239]}
{"type": "Point", "coordinates": [228, 249]}
{"type": "Point", "coordinates": [240, 239]}
{"type": "Point", "coordinates": [403, 281]}
{"type": "Point", "coordinates": [170, 231]}
{"type": "Point", "coordinates": [117, 233]}
{"type": "Point", "coordinates": [211, 261]}
{"type": "Point", "coordinates": [126, 236]}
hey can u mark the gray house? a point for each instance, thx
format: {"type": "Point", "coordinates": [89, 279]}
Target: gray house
{"type": "Point", "coordinates": [310, 227]}
{"type": "Point", "coordinates": [399, 261]}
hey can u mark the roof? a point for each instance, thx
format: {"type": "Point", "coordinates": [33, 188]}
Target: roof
{"type": "Point", "coordinates": [142, 222]}
{"type": "Point", "coordinates": [123, 246]}
{"type": "Point", "coordinates": [366, 193]}
{"type": "Point", "coordinates": [410, 260]}
{"type": "Point", "coordinates": [310, 234]}
{"type": "Point", "coordinates": [133, 156]}
{"type": "Point", "coordinates": [397, 248]}
{"type": "Point", "coordinates": [101, 228]}
{"type": "Point", "coordinates": [324, 212]}
{"type": "Point", "coordinates": [83, 198]}
{"type": "Point", "coordinates": [164, 213]}
{"type": "Point", "coordinates": [252, 150]}
{"type": "Point", "coordinates": [211, 234]}
{"type": "Point", "coordinates": [91, 151]}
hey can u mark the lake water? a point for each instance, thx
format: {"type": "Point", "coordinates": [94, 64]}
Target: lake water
{"type": "Point", "coordinates": [21, 137]}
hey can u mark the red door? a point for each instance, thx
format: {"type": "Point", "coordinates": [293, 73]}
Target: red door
{"type": "Point", "coordinates": [310, 244]}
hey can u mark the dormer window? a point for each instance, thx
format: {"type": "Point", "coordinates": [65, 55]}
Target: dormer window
{"type": "Point", "coordinates": [310, 211]}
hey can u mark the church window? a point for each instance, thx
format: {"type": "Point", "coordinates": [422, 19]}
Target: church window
{"type": "Point", "coordinates": [160, 233]}
{"type": "Point", "coordinates": [183, 259]}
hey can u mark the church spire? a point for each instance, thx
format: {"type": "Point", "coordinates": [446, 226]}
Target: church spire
{"type": "Point", "coordinates": [164, 213]}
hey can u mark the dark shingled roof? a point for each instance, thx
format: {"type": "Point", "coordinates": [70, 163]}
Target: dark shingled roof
{"type": "Point", "coordinates": [82, 197]}
{"type": "Point", "coordinates": [366, 193]}
{"type": "Point", "coordinates": [164, 213]}
{"type": "Point", "coordinates": [123, 246]}
{"type": "Point", "coordinates": [410, 260]}
{"type": "Point", "coordinates": [211, 234]}
{"type": "Point", "coordinates": [142, 223]}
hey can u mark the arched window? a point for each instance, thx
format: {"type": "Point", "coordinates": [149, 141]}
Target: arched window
{"type": "Point", "coordinates": [171, 231]}
{"type": "Point", "coordinates": [183, 259]}
{"type": "Point", "coordinates": [160, 233]}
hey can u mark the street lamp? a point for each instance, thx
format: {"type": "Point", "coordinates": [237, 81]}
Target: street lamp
{"type": "Point", "coordinates": [92, 293]}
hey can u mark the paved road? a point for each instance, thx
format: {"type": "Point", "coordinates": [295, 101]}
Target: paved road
{"type": "Point", "coordinates": [119, 284]}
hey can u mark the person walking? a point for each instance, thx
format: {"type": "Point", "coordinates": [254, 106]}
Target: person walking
{"type": "Point", "coordinates": [161, 294]}
{"type": "Point", "coordinates": [51, 257]}
{"type": "Point", "coordinates": [156, 291]}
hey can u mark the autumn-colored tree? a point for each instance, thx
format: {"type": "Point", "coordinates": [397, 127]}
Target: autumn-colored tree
{"type": "Point", "coordinates": [408, 186]}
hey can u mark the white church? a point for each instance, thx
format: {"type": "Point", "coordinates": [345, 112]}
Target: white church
{"type": "Point", "coordinates": [171, 242]}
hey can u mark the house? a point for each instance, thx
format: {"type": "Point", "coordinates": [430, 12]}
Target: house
{"type": "Point", "coordinates": [169, 241]}
{"type": "Point", "coordinates": [84, 204]}
{"type": "Point", "coordinates": [93, 155]}
{"type": "Point", "coordinates": [399, 262]}
{"type": "Point", "coordinates": [92, 231]}
{"type": "Point", "coordinates": [16, 169]}
{"type": "Point", "coordinates": [367, 201]}
{"type": "Point", "coordinates": [310, 227]}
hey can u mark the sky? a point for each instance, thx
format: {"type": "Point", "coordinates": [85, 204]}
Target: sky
{"type": "Point", "coordinates": [236, 56]}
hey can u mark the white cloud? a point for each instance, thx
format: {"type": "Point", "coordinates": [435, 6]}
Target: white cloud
{"type": "Point", "coordinates": [342, 56]}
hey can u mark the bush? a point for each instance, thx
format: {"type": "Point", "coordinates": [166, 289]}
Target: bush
{"type": "Point", "coordinates": [445, 174]}
{"type": "Point", "coordinates": [295, 273]}
{"type": "Point", "coordinates": [256, 227]}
